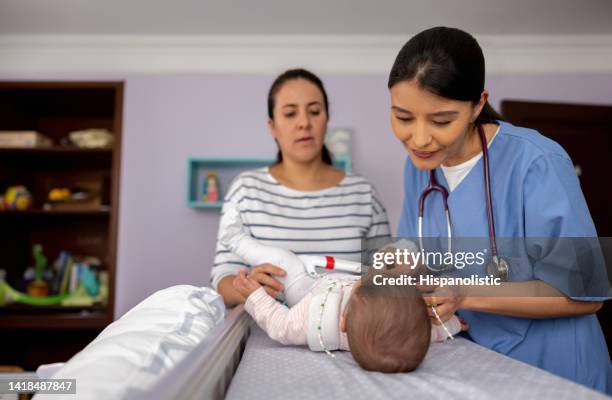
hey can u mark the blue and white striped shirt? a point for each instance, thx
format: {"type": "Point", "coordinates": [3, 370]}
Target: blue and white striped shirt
{"type": "Point", "coordinates": [330, 222]}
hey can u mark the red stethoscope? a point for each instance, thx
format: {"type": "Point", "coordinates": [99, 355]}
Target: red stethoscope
{"type": "Point", "coordinates": [497, 267]}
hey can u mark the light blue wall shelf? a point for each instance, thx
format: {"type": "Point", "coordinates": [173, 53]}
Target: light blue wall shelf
{"type": "Point", "coordinates": [227, 168]}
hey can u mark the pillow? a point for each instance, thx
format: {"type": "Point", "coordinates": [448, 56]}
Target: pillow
{"type": "Point", "coordinates": [149, 340]}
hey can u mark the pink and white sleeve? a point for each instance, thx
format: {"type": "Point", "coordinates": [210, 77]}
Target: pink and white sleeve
{"type": "Point", "coordinates": [285, 325]}
{"type": "Point", "coordinates": [438, 334]}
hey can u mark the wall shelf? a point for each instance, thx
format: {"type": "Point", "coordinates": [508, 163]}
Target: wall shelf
{"type": "Point", "coordinates": [226, 169]}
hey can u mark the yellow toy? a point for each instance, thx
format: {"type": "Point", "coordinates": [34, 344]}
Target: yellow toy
{"type": "Point", "coordinates": [17, 198]}
{"type": "Point", "coordinates": [59, 194]}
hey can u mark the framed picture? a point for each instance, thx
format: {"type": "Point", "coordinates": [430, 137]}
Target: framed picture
{"type": "Point", "coordinates": [338, 141]}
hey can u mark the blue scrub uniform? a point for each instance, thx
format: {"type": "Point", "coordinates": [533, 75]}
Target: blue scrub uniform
{"type": "Point", "coordinates": [535, 193]}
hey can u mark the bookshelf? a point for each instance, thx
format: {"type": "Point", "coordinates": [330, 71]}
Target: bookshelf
{"type": "Point", "coordinates": [40, 334]}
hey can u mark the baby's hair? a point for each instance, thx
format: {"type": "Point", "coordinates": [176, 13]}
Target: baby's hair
{"type": "Point", "coordinates": [388, 328]}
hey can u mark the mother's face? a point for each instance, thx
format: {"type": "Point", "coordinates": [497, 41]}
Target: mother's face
{"type": "Point", "coordinates": [433, 129]}
{"type": "Point", "coordinates": [300, 120]}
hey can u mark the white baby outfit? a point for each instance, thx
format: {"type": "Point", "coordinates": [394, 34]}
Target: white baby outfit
{"type": "Point", "coordinates": [299, 324]}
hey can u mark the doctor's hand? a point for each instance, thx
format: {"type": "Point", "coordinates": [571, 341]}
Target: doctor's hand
{"type": "Point", "coordinates": [264, 275]}
{"type": "Point", "coordinates": [445, 299]}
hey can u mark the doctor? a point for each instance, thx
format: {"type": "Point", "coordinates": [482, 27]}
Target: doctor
{"type": "Point", "coordinates": [440, 113]}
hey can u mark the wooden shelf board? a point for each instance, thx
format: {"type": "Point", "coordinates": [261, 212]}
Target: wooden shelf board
{"type": "Point", "coordinates": [77, 212]}
{"type": "Point", "coordinates": [67, 320]}
{"type": "Point", "coordinates": [55, 150]}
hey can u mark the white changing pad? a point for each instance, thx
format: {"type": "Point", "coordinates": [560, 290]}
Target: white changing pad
{"type": "Point", "coordinates": [457, 369]}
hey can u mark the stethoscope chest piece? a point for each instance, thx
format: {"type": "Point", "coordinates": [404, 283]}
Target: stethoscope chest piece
{"type": "Point", "coordinates": [498, 268]}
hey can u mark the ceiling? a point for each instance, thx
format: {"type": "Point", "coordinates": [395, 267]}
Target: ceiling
{"type": "Point", "coordinates": [339, 17]}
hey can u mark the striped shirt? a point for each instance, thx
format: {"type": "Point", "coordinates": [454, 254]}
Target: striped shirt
{"type": "Point", "coordinates": [330, 222]}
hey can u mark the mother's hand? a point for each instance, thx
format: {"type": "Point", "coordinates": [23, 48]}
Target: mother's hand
{"type": "Point", "coordinates": [446, 300]}
{"type": "Point", "coordinates": [265, 274]}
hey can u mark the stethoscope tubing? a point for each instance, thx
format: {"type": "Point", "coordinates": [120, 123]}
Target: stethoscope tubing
{"type": "Point", "coordinates": [435, 186]}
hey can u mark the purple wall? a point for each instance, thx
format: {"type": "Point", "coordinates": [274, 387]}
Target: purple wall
{"type": "Point", "coordinates": [168, 119]}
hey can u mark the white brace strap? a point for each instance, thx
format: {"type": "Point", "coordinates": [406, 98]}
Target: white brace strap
{"type": "Point", "coordinates": [330, 320]}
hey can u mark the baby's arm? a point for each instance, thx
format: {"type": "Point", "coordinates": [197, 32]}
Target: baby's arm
{"type": "Point", "coordinates": [285, 325]}
{"type": "Point", "coordinates": [438, 334]}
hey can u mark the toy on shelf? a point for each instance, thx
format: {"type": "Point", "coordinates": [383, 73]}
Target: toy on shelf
{"type": "Point", "coordinates": [88, 281]}
{"type": "Point", "coordinates": [17, 198]}
{"type": "Point", "coordinates": [73, 282]}
{"type": "Point", "coordinates": [9, 295]}
{"type": "Point", "coordinates": [89, 139]}
{"type": "Point", "coordinates": [83, 196]}
{"type": "Point", "coordinates": [23, 140]}
{"type": "Point", "coordinates": [38, 288]}
{"type": "Point", "coordinates": [210, 189]}
{"type": "Point", "coordinates": [103, 292]}
{"type": "Point", "coordinates": [59, 194]}
{"type": "Point", "coordinates": [3, 289]}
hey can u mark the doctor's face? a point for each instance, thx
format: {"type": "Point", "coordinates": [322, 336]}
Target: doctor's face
{"type": "Point", "coordinates": [300, 120]}
{"type": "Point", "coordinates": [433, 129]}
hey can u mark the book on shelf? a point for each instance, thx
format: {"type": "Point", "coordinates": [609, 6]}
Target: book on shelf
{"type": "Point", "coordinates": [66, 277]}
{"type": "Point", "coordinates": [23, 140]}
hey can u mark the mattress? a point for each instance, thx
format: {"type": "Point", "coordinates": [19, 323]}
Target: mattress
{"type": "Point", "coordinates": [457, 369]}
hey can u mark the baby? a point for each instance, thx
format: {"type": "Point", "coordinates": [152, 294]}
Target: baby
{"type": "Point", "coordinates": [387, 329]}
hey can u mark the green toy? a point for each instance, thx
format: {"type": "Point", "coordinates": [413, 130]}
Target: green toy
{"type": "Point", "coordinates": [10, 295]}
{"type": "Point", "coordinates": [40, 262]}
{"type": "Point", "coordinates": [38, 288]}
{"type": "Point", "coordinates": [2, 288]}
{"type": "Point", "coordinates": [87, 293]}
{"type": "Point", "coordinates": [78, 298]}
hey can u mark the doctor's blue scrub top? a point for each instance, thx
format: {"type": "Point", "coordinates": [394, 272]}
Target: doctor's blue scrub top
{"type": "Point", "coordinates": [535, 193]}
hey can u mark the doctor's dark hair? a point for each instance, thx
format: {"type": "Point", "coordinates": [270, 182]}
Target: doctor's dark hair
{"type": "Point", "coordinates": [449, 63]}
{"type": "Point", "coordinates": [294, 74]}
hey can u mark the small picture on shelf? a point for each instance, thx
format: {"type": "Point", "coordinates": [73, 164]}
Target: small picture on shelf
{"type": "Point", "coordinates": [210, 188]}
{"type": "Point", "coordinates": [218, 173]}
{"type": "Point", "coordinates": [338, 141]}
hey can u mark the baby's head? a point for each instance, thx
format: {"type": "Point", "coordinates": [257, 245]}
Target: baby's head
{"type": "Point", "coordinates": [388, 328]}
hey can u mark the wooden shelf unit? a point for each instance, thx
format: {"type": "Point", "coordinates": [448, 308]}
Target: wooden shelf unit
{"type": "Point", "coordinates": [55, 109]}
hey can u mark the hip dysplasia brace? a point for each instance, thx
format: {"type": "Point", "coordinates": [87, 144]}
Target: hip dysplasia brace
{"type": "Point", "coordinates": [301, 270]}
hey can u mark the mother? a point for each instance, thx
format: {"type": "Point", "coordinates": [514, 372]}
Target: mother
{"type": "Point", "coordinates": [301, 203]}
{"type": "Point", "coordinates": [440, 113]}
